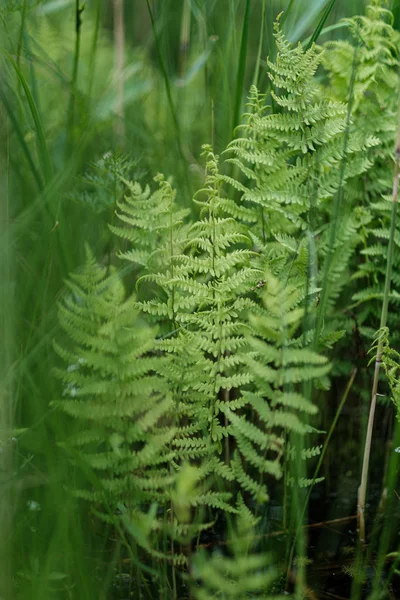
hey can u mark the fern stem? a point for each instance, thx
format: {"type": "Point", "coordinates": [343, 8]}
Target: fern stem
{"type": "Point", "coordinates": [362, 491]}
{"type": "Point", "coordinates": [227, 452]}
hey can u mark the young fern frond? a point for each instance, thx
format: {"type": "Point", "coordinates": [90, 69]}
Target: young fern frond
{"type": "Point", "coordinates": [279, 366]}
{"type": "Point", "coordinates": [111, 389]}
{"type": "Point", "coordinates": [210, 284]}
{"type": "Point", "coordinates": [150, 219]}
{"type": "Point", "coordinates": [290, 157]}
{"type": "Point", "coordinates": [239, 574]}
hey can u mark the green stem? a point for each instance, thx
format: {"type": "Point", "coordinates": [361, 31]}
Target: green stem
{"type": "Point", "coordinates": [92, 59]}
{"type": "Point", "coordinates": [71, 110]}
{"type": "Point", "coordinates": [21, 34]}
{"type": "Point", "coordinates": [242, 65]}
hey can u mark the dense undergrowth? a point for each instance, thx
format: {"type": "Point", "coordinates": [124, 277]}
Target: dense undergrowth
{"type": "Point", "coordinates": [186, 355]}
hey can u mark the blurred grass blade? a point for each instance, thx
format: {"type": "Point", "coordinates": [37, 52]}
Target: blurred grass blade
{"type": "Point", "coordinates": [20, 136]}
{"type": "Point", "coordinates": [321, 23]}
{"type": "Point", "coordinates": [53, 6]}
{"type": "Point", "coordinates": [164, 73]}
{"type": "Point", "coordinates": [260, 45]}
{"type": "Point", "coordinates": [242, 65]}
{"type": "Point", "coordinates": [303, 18]}
{"type": "Point", "coordinates": [198, 64]}
{"type": "Point", "coordinates": [21, 32]}
{"type": "Point", "coordinates": [7, 397]}
{"type": "Point", "coordinates": [41, 140]}
{"type": "Point", "coordinates": [325, 30]}
{"type": "Point", "coordinates": [168, 90]}
{"type": "Point", "coordinates": [93, 49]}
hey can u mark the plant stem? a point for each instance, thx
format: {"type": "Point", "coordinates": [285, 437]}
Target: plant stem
{"type": "Point", "coordinates": [362, 490]}
{"type": "Point", "coordinates": [119, 64]}
{"type": "Point", "coordinates": [242, 66]}
{"type": "Point", "coordinates": [184, 40]}
{"type": "Point", "coordinates": [71, 109]}
{"type": "Point", "coordinates": [92, 59]}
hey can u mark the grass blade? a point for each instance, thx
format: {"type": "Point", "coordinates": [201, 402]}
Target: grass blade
{"type": "Point", "coordinates": [21, 138]}
{"type": "Point", "coordinates": [41, 139]}
{"type": "Point", "coordinates": [168, 90]}
{"type": "Point", "coordinates": [260, 45]}
{"type": "Point", "coordinates": [321, 23]}
{"type": "Point", "coordinates": [242, 65]}
{"type": "Point", "coordinates": [303, 16]}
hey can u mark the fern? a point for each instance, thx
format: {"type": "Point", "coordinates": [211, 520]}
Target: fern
{"type": "Point", "coordinates": [209, 282]}
{"type": "Point", "coordinates": [279, 365]}
{"type": "Point", "coordinates": [292, 153]}
{"type": "Point", "coordinates": [111, 389]}
{"type": "Point", "coordinates": [375, 83]}
{"type": "Point", "coordinates": [375, 74]}
{"type": "Point", "coordinates": [102, 185]}
{"type": "Point", "coordinates": [153, 229]}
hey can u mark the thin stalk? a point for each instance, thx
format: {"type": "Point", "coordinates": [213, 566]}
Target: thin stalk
{"type": "Point", "coordinates": [71, 109]}
{"type": "Point", "coordinates": [362, 491]}
{"type": "Point", "coordinates": [119, 65]}
{"type": "Point", "coordinates": [327, 440]}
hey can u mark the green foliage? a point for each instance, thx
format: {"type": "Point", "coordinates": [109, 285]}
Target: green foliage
{"type": "Point", "coordinates": [291, 151]}
{"type": "Point", "coordinates": [279, 365]}
{"type": "Point", "coordinates": [375, 46]}
{"type": "Point", "coordinates": [102, 182]}
{"type": "Point", "coordinates": [390, 364]}
{"type": "Point", "coordinates": [109, 386]}
{"type": "Point", "coordinates": [202, 353]}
